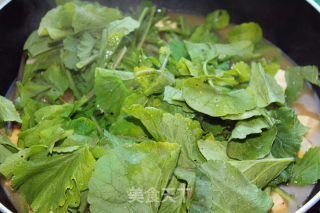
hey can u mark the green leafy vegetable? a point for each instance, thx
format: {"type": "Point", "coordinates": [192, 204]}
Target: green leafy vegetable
{"type": "Point", "coordinates": [228, 182]}
{"type": "Point", "coordinates": [139, 173]}
{"type": "Point", "coordinates": [295, 77]}
{"type": "Point", "coordinates": [7, 148]}
{"type": "Point", "coordinates": [246, 31]}
{"type": "Point", "coordinates": [289, 136]}
{"type": "Point", "coordinates": [213, 150]}
{"type": "Point", "coordinates": [204, 98]}
{"type": "Point", "coordinates": [269, 167]}
{"type": "Point", "coordinates": [75, 17]}
{"type": "Point", "coordinates": [178, 49]}
{"type": "Point", "coordinates": [218, 19]}
{"type": "Point", "coordinates": [247, 127]}
{"type": "Point", "coordinates": [172, 128]}
{"type": "Point", "coordinates": [8, 111]}
{"type": "Point", "coordinates": [266, 88]}
{"type": "Point", "coordinates": [252, 148]}
{"type": "Point", "coordinates": [111, 93]}
{"type": "Point", "coordinates": [59, 178]}
{"type": "Point", "coordinates": [306, 170]}
{"type": "Point", "coordinates": [243, 116]}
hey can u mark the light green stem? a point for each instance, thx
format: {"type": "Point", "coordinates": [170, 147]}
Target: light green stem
{"type": "Point", "coordinates": [144, 36]}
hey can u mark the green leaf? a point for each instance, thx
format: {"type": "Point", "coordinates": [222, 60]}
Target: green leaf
{"type": "Point", "coordinates": [289, 136]}
{"type": "Point", "coordinates": [252, 148]}
{"type": "Point", "coordinates": [4, 153]}
{"type": "Point", "coordinates": [83, 126]}
{"type": "Point", "coordinates": [123, 26]}
{"type": "Point", "coordinates": [128, 126]}
{"type": "Point", "coordinates": [180, 108]}
{"type": "Point", "coordinates": [243, 116]}
{"type": "Point", "coordinates": [110, 92]}
{"type": "Point", "coordinates": [154, 82]}
{"type": "Point", "coordinates": [172, 128]}
{"type": "Point", "coordinates": [306, 170]}
{"type": "Point", "coordinates": [187, 176]}
{"type": "Point", "coordinates": [218, 19]}
{"type": "Point", "coordinates": [109, 142]}
{"type": "Point", "coordinates": [247, 127]}
{"type": "Point", "coordinates": [85, 46]}
{"type": "Point", "coordinates": [215, 129]}
{"type": "Point", "coordinates": [283, 177]}
{"type": "Point", "coordinates": [242, 70]}
{"type": "Point", "coordinates": [295, 77]}
{"type": "Point", "coordinates": [136, 171]}
{"type": "Point", "coordinates": [247, 31]}
{"type": "Point", "coordinates": [241, 50]}
{"type": "Point", "coordinates": [261, 172]}
{"type": "Point", "coordinates": [125, 76]}
{"type": "Point", "coordinates": [91, 16]}
{"type": "Point", "coordinates": [200, 52]}
{"type": "Point", "coordinates": [310, 73]}
{"type": "Point", "coordinates": [29, 106]}
{"type": "Point", "coordinates": [173, 200]}
{"type": "Point", "coordinates": [59, 178]}
{"type": "Point", "coordinates": [75, 17]}
{"type": "Point", "coordinates": [37, 45]}
{"type": "Point", "coordinates": [47, 132]}
{"type": "Point", "coordinates": [55, 78]}
{"type": "Point", "coordinates": [212, 149]}
{"type": "Point", "coordinates": [177, 49]}
{"type": "Point", "coordinates": [53, 134]}
{"type": "Point", "coordinates": [203, 195]}
{"type": "Point", "coordinates": [266, 88]}
{"type": "Point", "coordinates": [203, 34]}
{"type": "Point", "coordinates": [186, 67]}
{"type": "Point", "coordinates": [53, 111]}
{"type": "Point", "coordinates": [230, 191]}
{"type": "Point", "coordinates": [272, 69]}
{"type": "Point", "coordinates": [57, 22]}
{"type": "Point", "coordinates": [7, 148]}
{"type": "Point", "coordinates": [8, 111]}
{"type": "Point", "coordinates": [70, 58]}
{"type": "Point", "coordinates": [172, 94]}
{"type": "Point", "coordinates": [112, 141]}
{"type": "Point", "coordinates": [41, 62]}
{"type": "Point", "coordinates": [74, 140]}
{"type": "Point", "coordinates": [206, 99]}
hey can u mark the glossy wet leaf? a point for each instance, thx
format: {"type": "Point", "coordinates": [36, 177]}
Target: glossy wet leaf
{"type": "Point", "coordinates": [254, 147]}
{"type": "Point", "coordinates": [295, 77]}
{"type": "Point", "coordinates": [289, 136]}
{"type": "Point", "coordinates": [8, 111]}
{"type": "Point", "coordinates": [306, 170]}
{"type": "Point", "coordinates": [110, 92]}
{"type": "Point", "coordinates": [218, 19]}
{"type": "Point", "coordinates": [248, 127]}
{"type": "Point", "coordinates": [204, 98]}
{"type": "Point", "coordinates": [172, 128]}
{"type": "Point", "coordinates": [229, 190]}
{"type": "Point", "coordinates": [261, 172]}
{"type": "Point", "coordinates": [246, 31]}
{"type": "Point", "coordinates": [59, 178]}
{"type": "Point", "coordinates": [137, 169]}
{"type": "Point", "coordinates": [266, 88]}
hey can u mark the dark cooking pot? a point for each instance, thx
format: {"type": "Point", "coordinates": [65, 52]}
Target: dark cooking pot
{"type": "Point", "coordinates": [294, 26]}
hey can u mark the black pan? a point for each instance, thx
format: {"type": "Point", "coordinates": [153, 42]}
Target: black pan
{"type": "Point", "coordinates": [293, 26]}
